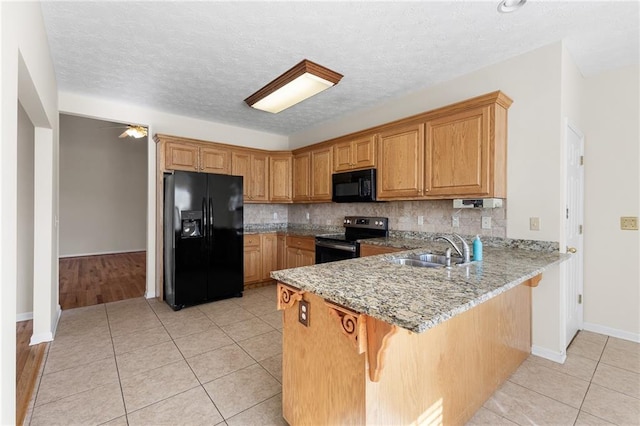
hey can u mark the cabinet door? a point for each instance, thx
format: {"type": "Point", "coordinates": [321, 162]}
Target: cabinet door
{"type": "Point", "coordinates": [241, 166]}
{"type": "Point", "coordinates": [371, 250]}
{"type": "Point", "coordinates": [400, 162]}
{"type": "Point", "coordinates": [259, 175]}
{"type": "Point", "coordinates": [363, 153]}
{"type": "Point", "coordinates": [342, 157]}
{"type": "Point", "coordinates": [307, 257]}
{"type": "Point", "coordinates": [293, 257]}
{"type": "Point", "coordinates": [269, 255]}
{"type": "Point", "coordinates": [280, 178]}
{"type": "Point", "coordinates": [215, 160]}
{"type": "Point", "coordinates": [320, 177]}
{"type": "Point", "coordinates": [457, 154]}
{"type": "Point", "coordinates": [180, 156]}
{"type": "Point", "coordinates": [252, 260]}
{"type": "Point", "coordinates": [301, 167]}
{"type": "Point", "coordinates": [282, 252]}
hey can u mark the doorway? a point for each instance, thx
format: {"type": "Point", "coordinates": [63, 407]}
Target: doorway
{"type": "Point", "coordinates": [574, 230]}
{"type": "Point", "coordinates": [103, 212]}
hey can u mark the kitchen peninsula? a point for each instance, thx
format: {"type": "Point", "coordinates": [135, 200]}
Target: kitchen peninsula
{"type": "Point", "coordinates": [386, 343]}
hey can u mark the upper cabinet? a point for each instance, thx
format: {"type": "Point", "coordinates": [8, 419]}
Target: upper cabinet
{"type": "Point", "coordinates": [196, 157]}
{"type": "Point", "coordinates": [401, 162]}
{"type": "Point", "coordinates": [280, 178]}
{"type": "Point", "coordinates": [254, 168]}
{"type": "Point", "coordinates": [356, 154]}
{"type": "Point", "coordinates": [312, 175]}
{"type": "Point", "coordinates": [466, 153]}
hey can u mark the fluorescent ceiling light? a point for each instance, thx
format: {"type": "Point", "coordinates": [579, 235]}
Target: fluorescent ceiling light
{"type": "Point", "coordinates": [507, 6]}
{"type": "Point", "coordinates": [299, 83]}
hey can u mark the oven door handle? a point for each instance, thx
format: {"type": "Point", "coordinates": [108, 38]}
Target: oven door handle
{"type": "Point", "coordinates": [336, 246]}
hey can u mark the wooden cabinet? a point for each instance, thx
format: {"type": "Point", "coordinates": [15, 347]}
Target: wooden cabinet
{"type": "Point", "coordinates": [281, 262]}
{"type": "Point", "coordinates": [280, 178]}
{"type": "Point", "coordinates": [252, 259]}
{"type": "Point", "coordinates": [300, 251]}
{"type": "Point", "coordinates": [356, 154]}
{"type": "Point", "coordinates": [372, 250]}
{"type": "Point", "coordinates": [254, 168]}
{"type": "Point", "coordinates": [464, 156]}
{"type": "Point", "coordinates": [269, 255]}
{"type": "Point", "coordinates": [300, 177]}
{"type": "Point", "coordinates": [312, 175]}
{"type": "Point", "coordinates": [401, 162]}
{"type": "Point", "coordinates": [197, 158]}
{"type": "Point", "coordinates": [260, 257]}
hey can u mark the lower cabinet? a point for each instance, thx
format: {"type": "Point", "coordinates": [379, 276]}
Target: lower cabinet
{"type": "Point", "coordinates": [300, 251]}
{"type": "Point", "coordinates": [260, 258]}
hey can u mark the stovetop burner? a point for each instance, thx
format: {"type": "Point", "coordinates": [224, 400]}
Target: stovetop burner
{"type": "Point", "coordinates": [359, 228]}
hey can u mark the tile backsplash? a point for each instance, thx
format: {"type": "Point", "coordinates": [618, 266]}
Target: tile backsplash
{"type": "Point", "coordinates": [403, 215]}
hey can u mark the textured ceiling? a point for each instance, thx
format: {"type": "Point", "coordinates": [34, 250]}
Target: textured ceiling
{"type": "Point", "coordinates": [202, 59]}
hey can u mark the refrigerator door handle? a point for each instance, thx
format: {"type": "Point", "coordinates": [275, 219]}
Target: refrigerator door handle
{"type": "Point", "coordinates": [204, 218]}
{"type": "Point", "coordinates": [211, 220]}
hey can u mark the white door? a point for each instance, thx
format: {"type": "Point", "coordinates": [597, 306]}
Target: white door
{"type": "Point", "coordinates": [574, 230]}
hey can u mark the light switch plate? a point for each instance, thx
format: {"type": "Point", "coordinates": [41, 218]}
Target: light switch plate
{"type": "Point", "coordinates": [420, 220]}
{"type": "Point", "coordinates": [455, 221]}
{"type": "Point", "coordinates": [486, 222]}
{"type": "Point", "coordinates": [534, 223]}
{"type": "Point", "coordinates": [629, 223]}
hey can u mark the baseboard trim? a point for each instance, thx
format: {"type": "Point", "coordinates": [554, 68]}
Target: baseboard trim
{"type": "Point", "coordinates": [24, 317]}
{"type": "Point", "coordinates": [102, 253]}
{"type": "Point", "coordinates": [555, 356]}
{"type": "Point", "coordinates": [150, 294]}
{"type": "Point", "coordinates": [613, 332]}
{"type": "Point", "coordinates": [41, 338]}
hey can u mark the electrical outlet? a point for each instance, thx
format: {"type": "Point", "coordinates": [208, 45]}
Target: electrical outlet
{"type": "Point", "coordinates": [420, 220]}
{"type": "Point", "coordinates": [308, 216]}
{"type": "Point", "coordinates": [303, 313]}
{"type": "Point", "coordinates": [534, 223]}
{"type": "Point", "coordinates": [275, 215]}
{"type": "Point", "coordinates": [486, 222]}
{"type": "Point", "coordinates": [455, 221]}
{"type": "Point", "coordinates": [629, 223]}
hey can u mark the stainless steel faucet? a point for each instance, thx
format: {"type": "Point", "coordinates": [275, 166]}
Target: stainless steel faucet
{"type": "Point", "coordinates": [465, 253]}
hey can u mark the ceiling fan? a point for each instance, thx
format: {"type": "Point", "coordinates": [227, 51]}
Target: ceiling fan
{"type": "Point", "coordinates": [134, 132]}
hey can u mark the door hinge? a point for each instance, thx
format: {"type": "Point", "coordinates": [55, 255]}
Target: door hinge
{"type": "Point", "coordinates": [579, 299]}
{"type": "Point", "coordinates": [580, 229]}
{"type": "Point", "coordinates": [582, 160]}
{"type": "Point", "coordinates": [567, 212]}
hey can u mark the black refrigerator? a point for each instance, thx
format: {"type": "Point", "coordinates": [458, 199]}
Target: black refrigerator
{"type": "Point", "coordinates": [203, 238]}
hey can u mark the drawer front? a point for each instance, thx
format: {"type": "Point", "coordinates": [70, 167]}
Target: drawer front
{"type": "Point", "coordinates": [252, 240]}
{"type": "Point", "coordinates": [304, 243]}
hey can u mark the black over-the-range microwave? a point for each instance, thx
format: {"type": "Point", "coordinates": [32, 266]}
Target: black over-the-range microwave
{"type": "Point", "coordinates": [354, 187]}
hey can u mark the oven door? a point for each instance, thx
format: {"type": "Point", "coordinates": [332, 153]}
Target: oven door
{"type": "Point", "coordinates": [331, 251]}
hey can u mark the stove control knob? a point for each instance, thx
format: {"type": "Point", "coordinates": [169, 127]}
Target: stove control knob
{"type": "Point", "coordinates": [376, 223]}
{"type": "Point", "coordinates": [348, 221]}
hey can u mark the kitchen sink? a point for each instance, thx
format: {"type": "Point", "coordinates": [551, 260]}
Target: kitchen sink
{"type": "Point", "coordinates": [416, 262]}
{"type": "Point", "coordinates": [427, 260]}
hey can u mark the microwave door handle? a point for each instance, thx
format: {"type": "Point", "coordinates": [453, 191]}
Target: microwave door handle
{"type": "Point", "coordinates": [360, 187]}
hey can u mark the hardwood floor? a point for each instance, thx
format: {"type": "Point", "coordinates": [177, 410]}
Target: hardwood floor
{"type": "Point", "coordinates": [28, 362]}
{"type": "Point", "coordinates": [91, 280]}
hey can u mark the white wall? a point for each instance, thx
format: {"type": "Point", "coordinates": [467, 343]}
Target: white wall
{"type": "Point", "coordinates": [165, 123]}
{"type": "Point", "coordinates": [533, 81]}
{"type": "Point", "coordinates": [24, 225]}
{"type": "Point", "coordinates": [27, 75]}
{"type": "Point", "coordinates": [612, 180]}
{"type": "Point", "coordinates": [103, 188]}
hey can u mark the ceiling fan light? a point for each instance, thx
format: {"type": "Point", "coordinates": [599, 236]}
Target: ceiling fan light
{"type": "Point", "coordinates": [508, 6]}
{"type": "Point", "coordinates": [136, 132]}
{"type": "Point", "coordinates": [301, 82]}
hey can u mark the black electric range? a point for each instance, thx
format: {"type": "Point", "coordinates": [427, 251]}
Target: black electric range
{"type": "Point", "coordinates": [333, 247]}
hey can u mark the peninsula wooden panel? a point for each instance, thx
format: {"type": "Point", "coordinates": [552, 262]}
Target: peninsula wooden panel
{"type": "Point", "coordinates": [371, 250]}
{"type": "Point", "coordinates": [323, 376]}
{"type": "Point", "coordinates": [444, 375]}
{"type": "Point", "coordinates": [401, 162]}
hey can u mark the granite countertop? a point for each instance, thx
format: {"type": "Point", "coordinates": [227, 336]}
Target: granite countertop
{"type": "Point", "coordinates": [283, 229]}
{"type": "Point", "coordinates": [418, 298]}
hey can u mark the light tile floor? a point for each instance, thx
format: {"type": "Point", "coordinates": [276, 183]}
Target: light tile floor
{"type": "Point", "coordinates": [137, 362]}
